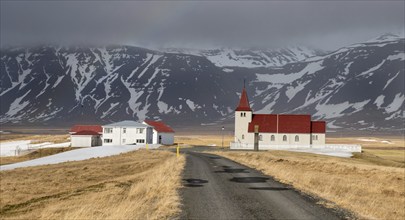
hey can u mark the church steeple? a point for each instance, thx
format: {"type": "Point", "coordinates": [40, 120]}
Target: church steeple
{"type": "Point", "coordinates": [244, 102]}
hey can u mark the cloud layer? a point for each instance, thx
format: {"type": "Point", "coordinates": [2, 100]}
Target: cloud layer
{"type": "Point", "coordinates": [322, 24]}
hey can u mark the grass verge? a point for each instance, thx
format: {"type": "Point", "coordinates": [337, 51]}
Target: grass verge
{"type": "Point", "coordinates": [136, 185]}
{"type": "Point", "coordinates": [356, 184]}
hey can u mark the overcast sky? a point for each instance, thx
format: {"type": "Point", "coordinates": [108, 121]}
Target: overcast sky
{"type": "Point", "coordinates": [320, 24]}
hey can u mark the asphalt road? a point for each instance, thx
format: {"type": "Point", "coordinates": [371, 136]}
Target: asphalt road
{"type": "Point", "coordinates": [218, 188]}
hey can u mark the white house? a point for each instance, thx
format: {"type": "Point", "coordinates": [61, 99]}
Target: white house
{"type": "Point", "coordinates": [162, 133]}
{"type": "Point", "coordinates": [274, 130]}
{"type": "Point", "coordinates": [126, 133]}
{"type": "Point", "coordinates": [85, 135]}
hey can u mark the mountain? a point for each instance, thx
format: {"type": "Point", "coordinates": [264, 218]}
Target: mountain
{"type": "Point", "coordinates": [251, 57]}
{"type": "Point", "coordinates": [356, 87]}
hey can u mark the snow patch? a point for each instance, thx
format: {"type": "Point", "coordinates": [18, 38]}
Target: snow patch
{"type": "Point", "coordinates": [396, 104]}
{"type": "Point", "coordinates": [379, 101]}
{"type": "Point", "coordinates": [191, 104]}
{"type": "Point", "coordinates": [77, 155]}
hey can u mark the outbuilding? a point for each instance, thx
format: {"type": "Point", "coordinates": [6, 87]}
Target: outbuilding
{"type": "Point", "coordinates": [85, 135]}
{"type": "Point", "coordinates": [162, 133]}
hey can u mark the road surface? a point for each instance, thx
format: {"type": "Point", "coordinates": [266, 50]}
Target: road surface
{"type": "Point", "coordinates": [218, 188]}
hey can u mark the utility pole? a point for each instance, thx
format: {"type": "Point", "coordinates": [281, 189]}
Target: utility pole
{"type": "Point", "coordinates": [223, 128]}
{"type": "Point", "coordinates": [256, 144]}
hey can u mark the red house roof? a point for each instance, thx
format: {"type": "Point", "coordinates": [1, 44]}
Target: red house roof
{"type": "Point", "coordinates": [318, 127]}
{"type": "Point", "coordinates": [243, 102]}
{"type": "Point", "coordinates": [78, 128]}
{"type": "Point", "coordinates": [86, 133]}
{"type": "Point", "coordinates": [160, 126]}
{"type": "Point", "coordinates": [272, 123]}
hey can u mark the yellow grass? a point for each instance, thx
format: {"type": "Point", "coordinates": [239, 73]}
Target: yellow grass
{"type": "Point", "coordinates": [60, 138]}
{"type": "Point", "coordinates": [394, 155]}
{"type": "Point", "coordinates": [356, 184]}
{"type": "Point", "coordinates": [136, 185]}
{"type": "Point", "coordinates": [204, 140]}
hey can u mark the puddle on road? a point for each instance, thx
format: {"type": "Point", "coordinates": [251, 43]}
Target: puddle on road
{"type": "Point", "coordinates": [270, 188]}
{"type": "Point", "coordinates": [194, 182]}
{"type": "Point", "coordinates": [249, 179]}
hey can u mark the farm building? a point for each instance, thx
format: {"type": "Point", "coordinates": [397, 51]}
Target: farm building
{"type": "Point", "coordinates": [126, 133]}
{"type": "Point", "coordinates": [162, 133]}
{"type": "Point", "coordinates": [85, 135]}
{"type": "Point", "coordinates": [281, 130]}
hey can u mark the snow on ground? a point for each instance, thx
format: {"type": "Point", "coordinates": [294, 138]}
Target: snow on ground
{"type": "Point", "coordinates": [374, 140]}
{"type": "Point", "coordinates": [328, 152]}
{"type": "Point", "coordinates": [13, 148]}
{"type": "Point", "coordinates": [288, 78]}
{"type": "Point", "coordinates": [77, 155]}
{"type": "Point", "coordinates": [10, 148]}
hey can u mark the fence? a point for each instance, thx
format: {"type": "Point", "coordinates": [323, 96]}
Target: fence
{"type": "Point", "coordinates": [334, 147]}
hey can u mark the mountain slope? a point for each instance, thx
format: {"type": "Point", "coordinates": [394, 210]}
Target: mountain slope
{"type": "Point", "coordinates": [361, 86]}
{"type": "Point", "coordinates": [356, 87]}
{"type": "Point", "coordinates": [251, 58]}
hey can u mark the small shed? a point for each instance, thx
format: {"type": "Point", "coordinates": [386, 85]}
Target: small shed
{"type": "Point", "coordinates": [162, 133]}
{"type": "Point", "coordinates": [85, 135]}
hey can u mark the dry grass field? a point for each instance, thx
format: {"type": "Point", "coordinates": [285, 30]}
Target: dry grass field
{"type": "Point", "coordinates": [370, 184]}
{"type": "Point", "coordinates": [203, 140]}
{"type": "Point", "coordinates": [137, 185]}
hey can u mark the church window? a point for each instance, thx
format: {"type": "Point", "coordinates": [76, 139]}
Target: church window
{"type": "Point", "coordinates": [297, 138]}
{"type": "Point", "coordinates": [272, 138]}
{"type": "Point", "coordinates": [243, 136]}
{"type": "Point", "coordinates": [260, 138]}
{"type": "Point", "coordinates": [285, 138]}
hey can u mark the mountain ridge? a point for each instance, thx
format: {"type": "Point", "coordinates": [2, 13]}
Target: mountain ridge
{"type": "Point", "coordinates": [55, 85]}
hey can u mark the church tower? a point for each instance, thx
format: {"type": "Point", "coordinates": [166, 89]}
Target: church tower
{"type": "Point", "coordinates": [243, 116]}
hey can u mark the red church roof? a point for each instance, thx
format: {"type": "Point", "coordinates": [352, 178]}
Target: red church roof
{"type": "Point", "coordinates": [272, 123]}
{"type": "Point", "coordinates": [294, 124]}
{"type": "Point", "coordinates": [160, 126]}
{"type": "Point", "coordinates": [244, 102]}
{"type": "Point", "coordinates": [318, 127]}
{"type": "Point", "coordinates": [78, 128]}
{"type": "Point", "coordinates": [267, 123]}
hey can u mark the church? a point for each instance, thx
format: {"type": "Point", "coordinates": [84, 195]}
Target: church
{"type": "Point", "coordinates": [274, 131]}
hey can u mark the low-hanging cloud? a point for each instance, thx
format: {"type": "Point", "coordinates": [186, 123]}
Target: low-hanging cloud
{"type": "Point", "coordinates": [322, 24]}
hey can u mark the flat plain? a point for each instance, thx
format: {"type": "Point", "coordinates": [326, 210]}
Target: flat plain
{"type": "Point", "coordinates": [137, 185]}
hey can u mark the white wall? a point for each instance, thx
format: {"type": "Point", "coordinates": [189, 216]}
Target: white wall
{"type": "Point", "coordinates": [129, 137]}
{"type": "Point", "coordinates": [303, 139]}
{"type": "Point", "coordinates": [241, 127]}
{"type": "Point", "coordinates": [154, 136]}
{"type": "Point", "coordinates": [84, 140]}
{"type": "Point", "coordinates": [167, 138]}
{"type": "Point", "coordinates": [319, 140]}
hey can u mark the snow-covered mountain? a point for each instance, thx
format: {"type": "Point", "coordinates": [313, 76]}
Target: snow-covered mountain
{"type": "Point", "coordinates": [356, 87]}
{"type": "Point", "coordinates": [251, 57]}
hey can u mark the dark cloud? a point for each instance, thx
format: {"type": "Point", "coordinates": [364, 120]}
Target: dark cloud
{"type": "Point", "coordinates": [323, 24]}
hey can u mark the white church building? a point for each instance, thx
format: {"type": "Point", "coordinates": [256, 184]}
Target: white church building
{"type": "Point", "coordinates": [275, 131]}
